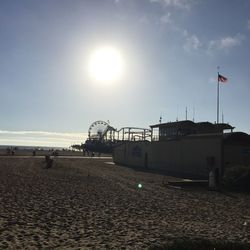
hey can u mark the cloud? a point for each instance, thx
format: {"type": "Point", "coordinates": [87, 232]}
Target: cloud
{"type": "Point", "coordinates": [226, 43]}
{"type": "Point", "coordinates": [248, 24]}
{"type": "Point", "coordinates": [212, 80]}
{"type": "Point", "coordinates": [40, 138]}
{"type": "Point", "coordinates": [166, 19]}
{"type": "Point", "coordinates": [192, 42]}
{"type": "Point", "coordinates": [182, 4]}
{"type": "Point", "coordinates": [143, 20]}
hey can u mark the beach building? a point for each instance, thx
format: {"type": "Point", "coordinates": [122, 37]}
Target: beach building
{"type": "Point", "coordinates": [186, 148]}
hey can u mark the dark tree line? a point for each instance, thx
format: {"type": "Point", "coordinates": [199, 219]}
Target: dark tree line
{"type": "Point", "coordinates": [78, 147]}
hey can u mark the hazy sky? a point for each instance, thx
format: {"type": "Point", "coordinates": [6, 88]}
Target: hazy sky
{"type": "Point", "coordinates": [171, 50]}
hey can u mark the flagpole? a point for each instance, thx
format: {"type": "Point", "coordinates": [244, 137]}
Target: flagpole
{"type": "Point", "coordinates": [218, 98]}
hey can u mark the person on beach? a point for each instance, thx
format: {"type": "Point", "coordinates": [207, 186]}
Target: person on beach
{"type": "Point", "coordinates": [49, 161]}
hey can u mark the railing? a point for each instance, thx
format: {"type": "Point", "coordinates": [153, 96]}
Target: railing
{"type": "Point", "coordinates": [155, 138]}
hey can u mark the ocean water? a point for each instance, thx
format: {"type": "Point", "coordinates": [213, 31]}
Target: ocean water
{"type": "Point", "coordinates": [22, 147]}
{"type": "Point", "coordinates": [40, 139]}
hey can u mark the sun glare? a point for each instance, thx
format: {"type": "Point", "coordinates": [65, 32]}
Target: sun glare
{"type": "Point", "coordinates": [106, 65]}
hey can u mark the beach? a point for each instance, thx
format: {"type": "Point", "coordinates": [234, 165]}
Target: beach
{"type": "Point", "coordinates": [91, 203]}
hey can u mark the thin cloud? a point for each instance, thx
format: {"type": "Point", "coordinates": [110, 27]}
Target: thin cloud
{"type": "Point", "coordinates": [248, 24]}
{"type": "Point", "coordinates": [41, 133]}
{"type": "Point", "coordinates": [143, 20]}
{"type": "Point", "coordinates": [226, 43]}
{"type": "Point", "coordinates": [192, 42]}
{"type": "Point", "coordinates": [212, 80]}
{"type": "Point", "coordinates": [40, 138]}
{"type": "Point", "coordinates": [181, 4]}
{"type": "Point", "coordinates": [166, 19]}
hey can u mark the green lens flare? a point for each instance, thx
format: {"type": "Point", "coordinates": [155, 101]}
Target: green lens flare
{"type": "Point", "coordinates": [139, 185]}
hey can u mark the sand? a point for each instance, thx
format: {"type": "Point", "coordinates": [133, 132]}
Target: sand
{"type": "Point", "coordinates": [92, 204]}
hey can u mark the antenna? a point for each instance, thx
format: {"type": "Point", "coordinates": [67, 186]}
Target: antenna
{"type": "Point", "coordinates": [186, 113]}
{"type": "Point", "coordinates": [177, 118]}
{"type": "Point", "coordinates": [222, 116]}
{"type": "Point", "coordinates": [193, 113]}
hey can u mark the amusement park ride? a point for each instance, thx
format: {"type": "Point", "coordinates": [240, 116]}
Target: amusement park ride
{"type": "Point", "coordinates": [102, 137]}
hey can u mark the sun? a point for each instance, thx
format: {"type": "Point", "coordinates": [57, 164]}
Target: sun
{"type": "Point", "coordinates": [106, 65]}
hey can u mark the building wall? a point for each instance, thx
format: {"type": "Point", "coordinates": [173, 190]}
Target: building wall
{"type": "Point", "coordinates": [132, 153]}
{"type": "Point", "coordinates": [236, 155]}
{"type": "Point", "coordinates": [186, 156]}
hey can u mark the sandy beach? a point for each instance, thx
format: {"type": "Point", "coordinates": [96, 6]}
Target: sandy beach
{"type": "Point", "coordinates": [94, 204]}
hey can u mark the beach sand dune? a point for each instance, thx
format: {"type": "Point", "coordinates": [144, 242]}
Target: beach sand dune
{"type": "Point", "coordinates": [90, 204]}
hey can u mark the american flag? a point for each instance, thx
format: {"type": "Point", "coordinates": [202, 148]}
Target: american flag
{"type": "Point", "coordinates": [222, 78]}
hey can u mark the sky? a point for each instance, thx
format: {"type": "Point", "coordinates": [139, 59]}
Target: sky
{"type": "Point", "coordinates": [170, 50]}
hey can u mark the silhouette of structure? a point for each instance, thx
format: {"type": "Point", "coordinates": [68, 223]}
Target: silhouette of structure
{"type": "Point", "coordinates": [183, 148]}
{"type": "Point", "coordinates": [186, 149]}
{"type": "Point", "coordinates": [102, 137]}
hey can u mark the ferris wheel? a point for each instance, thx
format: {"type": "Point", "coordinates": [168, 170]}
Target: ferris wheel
{"type": "Point", "coordinates": [97, 130]}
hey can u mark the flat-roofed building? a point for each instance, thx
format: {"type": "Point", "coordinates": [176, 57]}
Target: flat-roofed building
{"type": "Point", "coordinates": [187, 149]}
{"type": "Point", "coordinates": [170, 130]}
